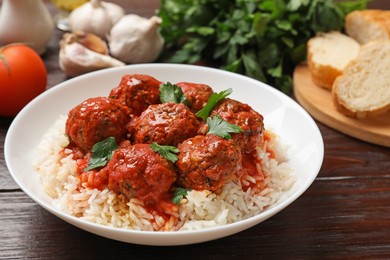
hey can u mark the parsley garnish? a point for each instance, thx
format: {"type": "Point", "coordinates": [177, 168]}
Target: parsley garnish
{"type": "Point", "coordinates": [178, 195]}
{"type": "Point", "coordinates": [213, 100]}
{"type": "Point", "coordinates": [172, 93]}
{"type": "Point", "coordinates": [218, 126]}
{"type": "Point", "coordinates": [101, 153]}
{"type": "Point", "coordinates": [166, 151]}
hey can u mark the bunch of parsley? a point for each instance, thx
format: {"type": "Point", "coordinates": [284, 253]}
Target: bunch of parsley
{"type": "Point", "coordinates": [263, 39]}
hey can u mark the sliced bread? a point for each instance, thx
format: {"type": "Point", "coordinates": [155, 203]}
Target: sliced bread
{"type": "Point", "coordinates": [327, 56]}
{"type": "Point", "coordinates": [368, 25]}
{"type": "Point", "coordinates": [363, 90]}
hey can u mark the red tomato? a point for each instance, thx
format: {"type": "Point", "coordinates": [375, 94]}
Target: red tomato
{"type": "Point", "coordinates": [22, 77]}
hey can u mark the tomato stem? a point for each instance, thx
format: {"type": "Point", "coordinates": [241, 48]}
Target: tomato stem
{"type": "Point", "coordinates": [2, 57]}
{"type": "Point", "coordinates": [4, 60]}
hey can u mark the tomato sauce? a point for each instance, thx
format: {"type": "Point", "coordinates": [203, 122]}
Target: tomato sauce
{"type": "Point", "coordinates": [267, 138]}
{"type": "Point", "coordinates": [249, 165]}
{"type": "Point", "coordinates": [99, 179]}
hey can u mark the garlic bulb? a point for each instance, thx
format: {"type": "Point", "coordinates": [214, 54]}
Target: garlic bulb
{"type": "Point", "coordinates": [135, 39]}
{"type": "Point", "coordinates": [76, 59]}
{"type": "Point", "coordinates": [97, 17]}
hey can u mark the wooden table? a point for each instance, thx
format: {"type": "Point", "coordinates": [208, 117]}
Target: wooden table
{"type": "Point", "coordinates": [344, 214]}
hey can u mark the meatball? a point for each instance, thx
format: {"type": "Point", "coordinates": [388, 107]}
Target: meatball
{"type": "Point", "coordinates": [94, 120]}
{"type": "Point", "coordinates": [137, 92]}
{"type": "Point", "coordinates": [137, 171]}
{"type": "Point", "coordinates": [207, 162]}
{"type": "Point", "coordinates": [245, 117]}
{"type": "Point", "coordinates": [196, 94]}
{"type": "Point", "coordinates": [166, 124]}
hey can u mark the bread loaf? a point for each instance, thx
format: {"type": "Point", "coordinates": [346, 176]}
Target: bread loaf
{"type": "Point", "coordinates": [363, 89]}
{"type": "Point", "coordinates": [368, 25]}
{"type": "Point", "coordinates": [327, 56]}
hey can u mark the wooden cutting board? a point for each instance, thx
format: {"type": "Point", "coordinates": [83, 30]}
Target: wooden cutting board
{"type": "Point", "coordinates": [318, 102]}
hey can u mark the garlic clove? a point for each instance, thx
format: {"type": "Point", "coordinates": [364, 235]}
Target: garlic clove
{"type": "Point", "coordinates": [97, 17]}
{"type": "Point", "coordinates": [76, 59]}
{"type": "Point", "coordinates": [135, 39]}
{"type": "Point", "coordinates": [88, 40]}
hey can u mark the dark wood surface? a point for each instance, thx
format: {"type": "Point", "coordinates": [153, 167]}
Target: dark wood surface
{"type": "Point", "coordinates": [344, 214]}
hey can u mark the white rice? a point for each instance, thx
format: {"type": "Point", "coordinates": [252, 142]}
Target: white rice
{"type": "Point", "coordinates": [198, 210]}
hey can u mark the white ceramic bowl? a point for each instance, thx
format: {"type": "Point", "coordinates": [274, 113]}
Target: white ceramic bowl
{"type": "Point", "coordinates": [295, 127]}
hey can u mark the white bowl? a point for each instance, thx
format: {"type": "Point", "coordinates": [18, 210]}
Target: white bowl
{"type": "Point", "coordinates": [283, 115]}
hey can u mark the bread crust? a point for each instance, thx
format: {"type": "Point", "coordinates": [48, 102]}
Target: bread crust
{"type": "Point", "coordinates": [345, 110]}
{"type": "Point", "coordinates": [381, 18]}
{"type": "Point", "coordinates": [322, 75]}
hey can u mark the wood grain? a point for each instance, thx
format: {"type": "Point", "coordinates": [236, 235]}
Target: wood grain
{"type": "Point", "coordinates": [345, 214]}
{"type": "Point", "coordinates": [331, 220]}
{"type": "Point", "coordinates": [6, 182]}
{"type": "Point", "coordinates": [318, 102]}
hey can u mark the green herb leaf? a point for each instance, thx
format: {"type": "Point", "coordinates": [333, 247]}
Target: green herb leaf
{"type": "Point", "coordinates": [166, 151]}
{"type": "Point", "coordinates": [327, 16]}
{"type": "Point", "coordinates": [172, 93]}
{"type": "Point", "coordinates": [250, 62]}
{"type": "Point", "coordinates": [202, 30]}
{"type": "Point", "coordinates": [101, 153]}
{"type": "Point", "coordinates": [213, 100]}
{"type": "Point", "coordinates": [294, 5]}
{"type": "Point", "coordinates": [276, 71]}
{"type": "Point", "coordinates": [352, 5]}
{"type": "Point", "coordinates": [260, 23]}
{"type": "Point", "coordinates": [218, 126]}
{"type": "Point", "coordinates": [179, 194]}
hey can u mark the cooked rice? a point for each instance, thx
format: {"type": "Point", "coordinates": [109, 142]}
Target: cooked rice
{"type": "Point", "coordinates": [198, 210]}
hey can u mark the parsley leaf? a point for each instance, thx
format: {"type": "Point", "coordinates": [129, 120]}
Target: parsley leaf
{"type": "Point", "coordinates": [179, 194]}
{"type": "Point", "coordinates": [101, 153]}
{"type": "Point", "coordinates": [218, 126]}
{"type": "Point", "coordinates": [213, 100]}
{"type": "Point", "coordinates": [172, 93]}
{"type": "Point", "coordinates": [166, 151]}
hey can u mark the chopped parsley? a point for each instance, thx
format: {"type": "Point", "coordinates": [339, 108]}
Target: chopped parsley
{"type": "Point", "coordinates": [166, 151]}
{"type": "Point", "coordinates": [172, 93]}
{"type": "Point", "coordinates": [213, 100]}
{"type": "Point", "coordinates": [101, 153]}
{"type": "Point", "coordinates": [179, 194]}
{"type": "Point", "coordinates": [218, 126]}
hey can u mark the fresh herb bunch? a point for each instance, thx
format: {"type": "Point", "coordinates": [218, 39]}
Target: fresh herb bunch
{"type": "Point", "coordinates": [263, 39]}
